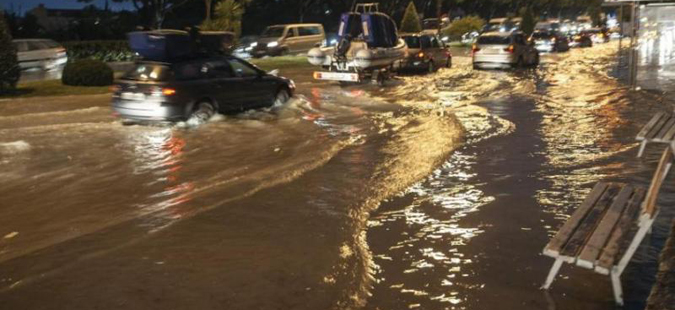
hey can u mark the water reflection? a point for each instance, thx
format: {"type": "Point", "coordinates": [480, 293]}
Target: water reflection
{"type": "Point", "coordinates": [160, 153]}
{"type": "Point", "coordinates": [426, 260]}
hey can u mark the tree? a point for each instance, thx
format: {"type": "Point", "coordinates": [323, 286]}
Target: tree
{"type": "Point", "coordinates": [9, 64]}
{"type": "Point", "coordinates": [411, 21]}
{"type": "Point", "coordinates": [528, 23]}
{"type": "Point", "coordinates": [227, 17]}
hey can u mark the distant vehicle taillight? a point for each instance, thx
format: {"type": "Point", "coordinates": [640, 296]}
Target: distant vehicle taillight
{"type": "Point", "coordinates": [420, 55]}
{"type": "Point", "coordinates": [509, 49]}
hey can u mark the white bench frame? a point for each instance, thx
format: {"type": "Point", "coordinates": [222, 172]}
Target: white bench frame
{"type": "Point", "coordinates": [660, 129]}
{"type": "Point", "coordinates": [649, 212]}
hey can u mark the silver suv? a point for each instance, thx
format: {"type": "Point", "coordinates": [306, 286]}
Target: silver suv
{"type": "Point", "coordinates": [280, 40]}
{"type": "Point", "coordinates": [504, 49]}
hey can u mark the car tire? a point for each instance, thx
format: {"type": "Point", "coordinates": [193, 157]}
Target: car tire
{"type": "Point", "coordinates": [203, 112]}
{"type": "Point", "coordinates": [281, 98]}
{"type": "Point", "coordinates": [283, 52]}
{"type": "Point", "coordinates": [448, 63]}
{"type": "Point", "coordinates": [535, 63]}
{"type": "Point", "coordinates": [518, 64]}
{"type": "Point", "coordinates": [430, 67]}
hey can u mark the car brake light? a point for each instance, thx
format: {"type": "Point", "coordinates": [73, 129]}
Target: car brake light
{"type": "Point", "coordinates": [509, 49]}
{"type": "Point", "coordinates": [475, 48]}
{"type": "Point", "coordinates": [420, 55]}
{"type": "Point", "coordinates": [168, 91]}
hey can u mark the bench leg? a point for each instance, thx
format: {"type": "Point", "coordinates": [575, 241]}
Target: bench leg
{"type": "Point", "coordinates": [643, 145]}
{"type": "Point", "coordinates": [616, 287]}
{"type": "Point", "coordinates": [551, 274]}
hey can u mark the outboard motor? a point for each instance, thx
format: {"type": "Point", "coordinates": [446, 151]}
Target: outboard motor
{"type": "Point", "coordinates": [343, 47]}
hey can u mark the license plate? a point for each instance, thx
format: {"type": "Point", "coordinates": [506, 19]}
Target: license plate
{"type": "Point", "coordinates": [133, 96]}
{"type": "Point", "coordinates": [336, 76]}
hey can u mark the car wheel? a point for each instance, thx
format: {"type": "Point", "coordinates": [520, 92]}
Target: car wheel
{"type": "Point", "coordinates": [448, 63]}
{"type": "Point", "coordinates": [535, 63]}
{"type": "Point", "coordinates": [281, 98]}
{"type": "Point", "coordinates": [284, 52]}
{"type": "Point", "coordinates": [475, 67]}
{"type": "Point", "coordinates": [519, 63]}
{"type": "Point", "coordinates": [203, 112]}
{"type": "Point", "coordinates": [430, 67]}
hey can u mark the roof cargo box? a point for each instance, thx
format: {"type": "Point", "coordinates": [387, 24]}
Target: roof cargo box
{"type": "Point", "coordinates": [161, 45]}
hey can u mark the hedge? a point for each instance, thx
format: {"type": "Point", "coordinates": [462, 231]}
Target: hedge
{"type": "Point", "coordinates": [106, 51]}
{"type": "Point", "coordinates": [462, 26]}
{"type": "Point", "coordinates": [9, 66]}
{"type": "Point", "coordinates": [87, 72]}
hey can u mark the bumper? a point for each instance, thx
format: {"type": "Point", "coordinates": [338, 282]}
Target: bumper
{"type": "Point", "coordinates": [151, 111]}
{"type": "Point", "coordinates": [493, 61]}
{"type": "Point", "coordinates": [266, 51]}
{"type": "Point", "coordinates": [545, 48]}
{"type": "Point", "coordinates": [413, 64]}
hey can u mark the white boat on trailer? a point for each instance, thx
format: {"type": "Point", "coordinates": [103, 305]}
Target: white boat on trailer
{"type": "Point", "coordinates": [368, 47]}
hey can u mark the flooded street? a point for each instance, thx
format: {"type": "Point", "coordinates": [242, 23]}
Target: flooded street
{"type": "Point", "coordinates": [434, 192]}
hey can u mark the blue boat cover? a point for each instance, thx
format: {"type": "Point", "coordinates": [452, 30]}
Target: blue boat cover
{"type": "Point", "coordinates": [161, 45]}
{"type": "Point", "coordinates": [376, 29]}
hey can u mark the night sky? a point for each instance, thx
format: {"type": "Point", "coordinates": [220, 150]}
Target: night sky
{"type": "Point", "coordinates": [21, 6]}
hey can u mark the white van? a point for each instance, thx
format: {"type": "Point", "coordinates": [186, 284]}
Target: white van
{"type": "Point", "coordinates": [279, 40]}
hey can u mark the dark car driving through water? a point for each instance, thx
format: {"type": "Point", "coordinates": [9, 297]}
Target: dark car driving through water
{"type": "Point", "coordinates": [199, 87]}
{"type": "Point", "coordinates": [425, 52]}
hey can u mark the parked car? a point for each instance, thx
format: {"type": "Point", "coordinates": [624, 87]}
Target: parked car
{"type": "Point", "coordinates": [425, 52]}
{"type": "Point", "coordinates": [503, 25]}
{"type": "Point", "coordinates": [284, 39]}
{"type": "Point", "coordinates": [503, 49]}
{"type": "Point", "coordinates": [196, 88]}
{"type": "Point", "coordinates": [581, 39]}
{"type": "Point", "coordinates": [40, 53]}
{"type": "Point", "coordinates": [431, 25]}
{"type": "Point", "coordinates": [549, 41]}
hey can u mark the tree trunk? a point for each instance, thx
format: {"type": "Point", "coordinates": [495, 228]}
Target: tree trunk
{"type": "Point", "coordinates": [207, 6]}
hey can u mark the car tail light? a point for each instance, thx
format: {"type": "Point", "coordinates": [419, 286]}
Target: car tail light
{"type": "Point", "coordinates": [168, 91]}
{"type": "Point", "coordinates": [317, 75]}
{"type": "Point", "coordinates": [475, 48]}
{"type": "Point", "coordinates": [420, 55]}
{"type": "Point", "coordinates": [509, 49]}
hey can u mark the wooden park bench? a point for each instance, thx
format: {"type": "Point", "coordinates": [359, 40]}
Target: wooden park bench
{"type": "Point", "coordinates": [604, 232]}
{"type": "Point", "coordinates": [660, 129]}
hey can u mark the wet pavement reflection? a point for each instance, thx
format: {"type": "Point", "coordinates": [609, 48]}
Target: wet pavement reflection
{"type": "Point", "coordinates": [435, 192]}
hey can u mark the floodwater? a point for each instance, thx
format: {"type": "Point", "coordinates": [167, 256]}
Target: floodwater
{"type": "Point", "coordinates": [434, 192]}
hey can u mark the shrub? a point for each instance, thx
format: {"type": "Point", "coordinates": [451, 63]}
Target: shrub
{"type": "Point", "coordinates": [227, 17]}
{"type": "Point", "coordinates": [87, 72]}
{"type": "Point", "coordinates": [101, 50]}
{"type": "Point", "coordinates": [411, 21]}
{"type": "Point", "coordinates": [9, 64]}
{"type": "Point", "coordinates": [462, 26]}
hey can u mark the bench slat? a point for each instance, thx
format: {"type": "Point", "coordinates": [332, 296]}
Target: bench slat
{"type": "Point", "coordinates": [657, 127]}
{"type": "Point", "coordinates": [657, 180]}
{"type": "Point", "coordinates": [587, 226]}
{"type": "Point", "coordinates": [660, 136]}
{"type": "Point", "coordinates": [554, 246]}
{"type": "Point", "coordinates": [627, 220]}
{"type": "Point", "coordinates": [641, 135]}
{"type": "Point", "coordinates": [670, 135]}
{"type": "Point", "coordinates": [594, 246]}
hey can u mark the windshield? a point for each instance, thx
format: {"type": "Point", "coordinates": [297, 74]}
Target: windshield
{"type": "Point", "coordinates": [412, 42]}
{"type": "Point", "coordinates": [273, 32]}
{"type": "Point", "coordinates": [148, 72]}
{"type": "Point", "coordinates": [493, 40]}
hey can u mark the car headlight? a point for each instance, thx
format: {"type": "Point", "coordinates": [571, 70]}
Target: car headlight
{"type": "Point", "coordinates": [333, 41]}
{"type": "Point", "coordinates": [273, 44]}
{"type": "Point", "coordinates": [254, 44]}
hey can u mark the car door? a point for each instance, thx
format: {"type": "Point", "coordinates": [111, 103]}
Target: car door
{"type": "Point", "coordinates": [310, 36]}
{"type": "Point", "coordinates": [292, 40]}
{"type": "Point", "coordinates": [223, 85]}
{"type": "Point", "coordinates": [257, 89]}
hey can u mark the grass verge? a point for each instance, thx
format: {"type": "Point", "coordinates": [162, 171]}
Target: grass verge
{"type": "Point", "coordinates": [53, 88]}
{"type": "Point", "coordinates": [282, 62]}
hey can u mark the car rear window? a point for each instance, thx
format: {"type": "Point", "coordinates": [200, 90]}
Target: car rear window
{"type": "Point", "coordinates": [412, 42]}
{"type": "Point", "coordinates": [493, 40]}
{"type": "Point", "coordinates": [150, 73]}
